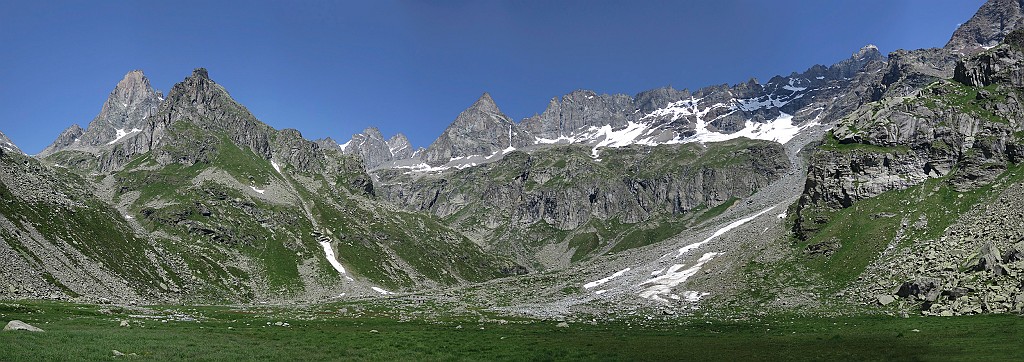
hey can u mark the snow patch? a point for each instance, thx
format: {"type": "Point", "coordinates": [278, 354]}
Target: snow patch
{"type": "Point", "coordinates": [381, 291]}
{"type": "Point", "coordinates": [675, 275]}
{"type": "Point", "coordinates": [257, 190]}
{"type": "Point", "coordinates": [602, 291]}
{"type": "Point", "coordinates": [560, 139]}
{"type": "Point", "coordinates": [423, 167]}
{"type": "Point", "coordinates": [780, 130]}
{"type": "Point", "coordinates": [276, 166]}
{"type": "Point", "coordinates": [121, 134]}
{"type": "Point", "coordinates": [343, 146]}
{"type": "Point", "coordinates": [694, 296]}
{"type": "Point", "coordinates": [606, 279]}
{"type": "Point", "coordinates": [331, 258]}
{"type": "Point", "coordinates": [719, 232]}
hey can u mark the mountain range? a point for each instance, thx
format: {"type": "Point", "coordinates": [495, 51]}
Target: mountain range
{"type": "Point", "coordinates": [882, 182]}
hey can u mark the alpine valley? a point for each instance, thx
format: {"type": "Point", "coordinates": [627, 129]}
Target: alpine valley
{"type": "Point", "coordinates": [882, 184]}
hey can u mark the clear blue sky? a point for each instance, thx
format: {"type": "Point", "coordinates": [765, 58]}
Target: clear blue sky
{"type": "Point", "coordinates": [332, 68]}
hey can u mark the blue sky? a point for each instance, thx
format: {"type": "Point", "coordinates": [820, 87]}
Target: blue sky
{"type": "Point", "coordinates": [332, 68]}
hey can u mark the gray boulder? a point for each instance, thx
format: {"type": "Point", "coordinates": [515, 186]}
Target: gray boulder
{"type": "Point", "coordinates": [989, 259]}
{"type": "Point", "coordinates": [17, 325]}
{"type": "Point", "coordinates": [921, 289]}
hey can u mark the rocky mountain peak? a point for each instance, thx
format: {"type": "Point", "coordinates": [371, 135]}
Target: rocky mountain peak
{"type": "Point", "coordinates": [373, 132]}
{"type": "Point", "coordinates": [481, 129]}
{"type": "Point", "coordinates": [868, 52]}
{"type": "Point", "coordinates": [7, 146]}
{"type": "Point", "coordinates": [400, 147]}
{"type": "Point", "coordinates": [132, 91]}
{"type": "Point", "coordinates": [65, 140]}
{"type": "Point", "coordinates": [124, 114]}
{"type": "Point", "coordinates": [988, 26]}
{"type": "Point", "coordinates": [849, 67]}
{"type": "Point", "coordinates": [371, 146]}
{"type": "Point", "coordinates": [200, 73]}
{"type": "Point", "coordinates": [485, 104]}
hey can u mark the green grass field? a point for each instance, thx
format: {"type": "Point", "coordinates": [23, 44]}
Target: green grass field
{"type": "Point", "coordinates": [82, 332]}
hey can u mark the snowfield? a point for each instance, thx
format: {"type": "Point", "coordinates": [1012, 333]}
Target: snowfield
{"type": "Point", "coordinates": [121, 133]}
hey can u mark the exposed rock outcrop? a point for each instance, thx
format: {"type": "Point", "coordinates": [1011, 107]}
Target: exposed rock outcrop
{"type": "Point", "coordinates": [988, 26]}
{"type": "Point", "coordinates": [7, 145]}
{"type": "Point", "coordinates": [565, 188]}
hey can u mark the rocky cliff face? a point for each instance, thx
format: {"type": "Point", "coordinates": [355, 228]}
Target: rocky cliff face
{"type": "Point", "coordinates": [910, 70]}
{"type": "Point", "coordinates": [579, 111]}
{"type": "Point", "coordinates": [566, 189]}
{"type": "Point", "coordinates": [400, 147]}
{"type": "Point", "coordinates": [988, 26]}
{"type": "Point", "coordinates": [482, 129]}
{"type": "Point", "coordinates": [965, 128]}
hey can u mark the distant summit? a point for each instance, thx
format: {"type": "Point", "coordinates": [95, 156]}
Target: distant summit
{"type": "Point", "coordinates": [482, 129]}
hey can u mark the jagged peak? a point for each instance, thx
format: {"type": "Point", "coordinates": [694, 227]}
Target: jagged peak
{"type": "Point", "coordinates": [398, 137]}
{"type": "Point", "coordinates": [867, 51]}
{"type": "Point", "coordinates": [7, 144]}
{"type": "Point", "coordinates": [486, 104]}
{"type": "Point", "coordinates": [200, 73]}
{"type": "Point", "coordinates": [373, 132]}
{"type": "Point", "coordinates": [133, 77]}
{"type": "Point", "coordinates": [133, 86]}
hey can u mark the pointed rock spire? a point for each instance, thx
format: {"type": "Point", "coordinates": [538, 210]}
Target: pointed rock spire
{"type": "Point", "coordinates": [123, 115]}
{"type": "Point", "coordinates": [480, 130]}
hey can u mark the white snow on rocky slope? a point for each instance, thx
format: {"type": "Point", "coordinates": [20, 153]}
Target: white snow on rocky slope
{"type": "Point", "coordinates": [598, 282]}
{"type": "Point", "coordinates": [645, 132]}
{"type": "Point", "coordinates": [333, 259]}
{"type": "Point", "coordinates": [381, 291]}
{"type": "Point", "coordinates": [121, 134]}
{"type": "Point", "coordinates": [661, 286]}
{"type": "Point", "coordinates": [720, 232]}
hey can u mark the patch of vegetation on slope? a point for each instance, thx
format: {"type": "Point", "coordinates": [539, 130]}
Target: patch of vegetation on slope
{"type": "Point", "coordinates": [71, 215]}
